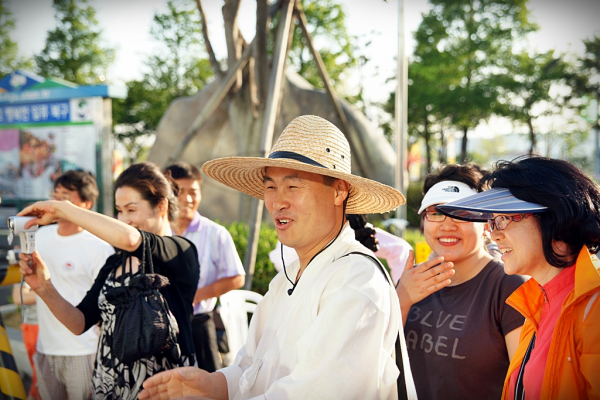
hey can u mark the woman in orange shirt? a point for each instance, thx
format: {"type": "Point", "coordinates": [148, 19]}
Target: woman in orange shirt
{"type": "Point", "coordinates": [544, 215]}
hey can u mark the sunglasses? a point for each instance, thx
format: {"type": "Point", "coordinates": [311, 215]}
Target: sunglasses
{"type": "Point", "coordinates": [501, 221]}
{"type": "Point", "coordinates": [435, 216]}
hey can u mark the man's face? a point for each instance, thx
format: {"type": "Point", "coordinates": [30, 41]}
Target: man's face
{"type": "Point", "coordinates": [62, 193]}
{"type": "Point", "coordinates": [189, 197]}
{"type": "Point", "coordinates": [303, 208]}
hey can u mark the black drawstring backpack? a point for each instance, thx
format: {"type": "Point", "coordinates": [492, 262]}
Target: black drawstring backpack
{"type": "Point", "coordinates": [144, 324]}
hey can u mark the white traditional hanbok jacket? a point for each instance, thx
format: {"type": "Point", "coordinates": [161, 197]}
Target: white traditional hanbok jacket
{"type": "Point", "coordinates": [332, 338]}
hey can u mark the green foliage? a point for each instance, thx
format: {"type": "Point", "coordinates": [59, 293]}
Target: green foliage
{"type": "Point", "coordinates": [584, 77]}
{"type": "Point", "coordinates": [414, 197]}
{"type": "Point", "coordinates": [529, 78]}
{"type": "Point", "coordinates": [73, 50]}
{"type": "Point", "coordinates": [9, 59]}
{"type": "Point", "coordinates": [264, 271]}
{"type": "Point", "coordinates": [176, 69]}
{"type": "Point", "coordinates": [327, 24]}
{"type": "Point", "coordinates": [458, 65]}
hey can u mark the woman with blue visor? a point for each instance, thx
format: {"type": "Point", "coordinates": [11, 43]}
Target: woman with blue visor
{"type": "Point", "coordinates": [544, 215]}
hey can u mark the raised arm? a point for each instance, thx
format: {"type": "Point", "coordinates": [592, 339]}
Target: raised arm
{"type": "Point", "coordinates": [112, 231]}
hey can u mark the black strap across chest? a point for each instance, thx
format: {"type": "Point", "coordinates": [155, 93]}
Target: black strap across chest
{"type": "Point", "coordinates": [401, 381]}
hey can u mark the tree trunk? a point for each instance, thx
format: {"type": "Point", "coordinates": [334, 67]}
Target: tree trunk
{"type": "Point", "coordinates": [233, 37]}
{"type": "Point", "coordinates": [427, 144]}
{"type": "Point", "coordinates": [532, 137]}
{"type": "Point", "coordinates": [211, 54]}
{"type": "Point", "coordinates": [262, 68]}
{"type": "Point", "coordinates": [463, 146]}
{"type": "Point", "coordinates": [443, 144]}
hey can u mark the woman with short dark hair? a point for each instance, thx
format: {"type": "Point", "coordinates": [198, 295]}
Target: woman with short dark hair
{"type": "Point", "coordinates": [146, 201]}
{"type": "Point", "coordinates": [459, 331]}
{"type": "Point", "coordinates": [545, 217]}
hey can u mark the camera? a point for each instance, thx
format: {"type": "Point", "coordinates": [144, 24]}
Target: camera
{"type": "Point", "coordinates": [16, 226]}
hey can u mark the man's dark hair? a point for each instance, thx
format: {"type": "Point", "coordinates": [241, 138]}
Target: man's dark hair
{"type": "Point", "coordinates": [469, 174]}
{"type": "Point", "coordinates": [572, 198]}
{"type": "Point", "coordinates": [81, 181]}
{"type": "Point", "coordinates": [184, 170]}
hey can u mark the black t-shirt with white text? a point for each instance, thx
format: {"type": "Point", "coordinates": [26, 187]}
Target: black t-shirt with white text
{"type": "Point", "coordinates": [455, 337]}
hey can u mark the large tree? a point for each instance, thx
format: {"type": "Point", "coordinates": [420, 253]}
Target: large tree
{"type": "Point", "coordinates": [471, 38]}
{"type": "Point", "coordinates": [326, 20]}
{"type": "Point", "coordinates": [427, 90]}
{"type": "Point", "coordinates": [585, 78]}
{"type": "Point", "coordinates": [526, 95]}
{"type": "Point", "coordinates": [250, 103]}
{"type": "Point", "coordinates": [74, 50]}
{"type": "Point", "coordinates": [179, 67]}
{"type": "Point", "coordinates": [9, 49]}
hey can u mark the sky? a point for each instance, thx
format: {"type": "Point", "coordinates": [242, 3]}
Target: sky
{"type": "Point", "coordinates": [126, 25]}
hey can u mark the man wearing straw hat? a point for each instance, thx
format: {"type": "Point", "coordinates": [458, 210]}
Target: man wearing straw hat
{"type": "Point", "coordinates": [328, 326]}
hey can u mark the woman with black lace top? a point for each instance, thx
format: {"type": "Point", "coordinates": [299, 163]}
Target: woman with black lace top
{"type": "Point", "coordinates": [145, 200]}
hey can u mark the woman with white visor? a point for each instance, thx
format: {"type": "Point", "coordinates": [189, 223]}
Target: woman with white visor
{"type": "Point", "coordinates": [545, 217]}
{"type": "Point", "coordinates": [459, 331]}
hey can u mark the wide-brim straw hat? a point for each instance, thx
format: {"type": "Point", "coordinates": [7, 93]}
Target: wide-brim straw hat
{"type": "Point", "coordinates": [310, 144]}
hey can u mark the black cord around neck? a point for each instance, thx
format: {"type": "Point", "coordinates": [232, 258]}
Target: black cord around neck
{"type": "Point", "coordinates": [291, 290]}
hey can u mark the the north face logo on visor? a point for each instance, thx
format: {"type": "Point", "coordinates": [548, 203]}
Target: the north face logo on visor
{"type": "Point", "coordinates": [451, 189]}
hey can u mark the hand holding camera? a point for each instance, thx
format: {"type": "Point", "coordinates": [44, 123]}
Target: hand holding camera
{"type": "Point", "coordinates": [44, 212]}
{"type": "Point", "coordinates": [34, 271]}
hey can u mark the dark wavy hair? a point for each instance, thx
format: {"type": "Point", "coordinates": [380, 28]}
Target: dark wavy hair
{"type": "Point", "coordinates": [81, 181]}
{"type": "Point", "coordinates": [151, 184]}
{"type": "Point", "coordinates": [183, 170]}
{"type": "Point", "coordinates": [572, 198]}
{"type": "Point", "coordinates": [362, 233]}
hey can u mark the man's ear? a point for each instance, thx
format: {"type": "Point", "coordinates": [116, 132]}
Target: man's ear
{"type": "Point", "coordinates": [88, 205]}
{"type": "Point", "coordinates": [342, 191]}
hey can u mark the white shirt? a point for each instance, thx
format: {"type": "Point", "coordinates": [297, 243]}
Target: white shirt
{"type": "Point", "coordinates": [74, 262]}
{"type": "Point", "coordinates": [333, 338]}
{"type": "Point", "coordinates": [394, 250]}
{"type": "Point", "coordinates": [391, 248]}
{"type": "Point", "coordinates": [217, 256]}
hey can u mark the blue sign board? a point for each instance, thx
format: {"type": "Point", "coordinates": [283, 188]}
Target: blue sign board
{"type": "Point", "coordinates": [22, 87]}
{"type": "Point", "coordinates": [58, 111]}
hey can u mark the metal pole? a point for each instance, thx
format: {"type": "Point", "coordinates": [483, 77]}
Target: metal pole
{"type": "Point", "coordinates": [401, 110]}
{"type": "Point", "coordinates": [596, 137]}
{"type": "Point", "coordinates": [271, 108]}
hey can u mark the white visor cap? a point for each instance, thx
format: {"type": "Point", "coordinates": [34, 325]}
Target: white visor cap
{"type": "Point", "coordinates": [445, 192]}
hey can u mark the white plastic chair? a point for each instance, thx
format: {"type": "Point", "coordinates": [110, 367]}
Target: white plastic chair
{"type": "Point", "coordinates": [235, 306]}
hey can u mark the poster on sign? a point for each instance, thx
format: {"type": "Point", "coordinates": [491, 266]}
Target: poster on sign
{"type": "Point", "coordinates": [9, 162]}
{"type": "Point", "coordinates": [46, 152]}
